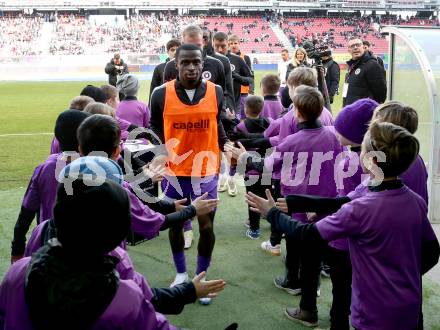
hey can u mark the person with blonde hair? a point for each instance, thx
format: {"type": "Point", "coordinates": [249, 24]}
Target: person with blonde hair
{"type": "Point", "coordinates": [96, 108]}
{"type": "Point", "coordinates": [299, 59]}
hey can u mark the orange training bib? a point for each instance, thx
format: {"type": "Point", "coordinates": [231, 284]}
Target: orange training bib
{"type": "Point", "coordinates": [191, 134]}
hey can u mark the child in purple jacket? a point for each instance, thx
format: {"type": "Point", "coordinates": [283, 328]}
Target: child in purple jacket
{"type": "Point", "coordinates": [130, 108]}
{"type": "Point", "coordinates": [391, 241]}
{"type": "Point", "coordinates": [39, 197]}
{"type": "Point", "coordinates": [270, 84]}
{"type": "Point", "coordinates": [70, 284]}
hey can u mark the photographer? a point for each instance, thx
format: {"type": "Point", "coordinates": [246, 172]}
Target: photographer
{"type": "Point", "coordinates": [116, 67]}
{"type": "Point", "coordinates": [332, 76]}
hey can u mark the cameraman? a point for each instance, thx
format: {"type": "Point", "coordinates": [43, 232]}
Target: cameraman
{"type": "Point", "coordinates": [115, 67]}
{"type": "Point", "coordinates": [332, 76]}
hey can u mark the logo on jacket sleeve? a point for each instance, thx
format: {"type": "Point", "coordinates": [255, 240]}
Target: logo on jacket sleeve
{"type": "Point", "coordinates": [232, 67]}
{"type": "Point", "coordinates": [206, 75]}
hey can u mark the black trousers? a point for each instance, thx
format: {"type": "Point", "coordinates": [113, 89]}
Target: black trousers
{"type": "Point", "coordinates": [259, 190]}
{"type": "Point", "coordinates": [303, 268]}
{"type": "Point", "coordinates": [340, 274]}
{"type": "Point", "coordinates": [275, 237]}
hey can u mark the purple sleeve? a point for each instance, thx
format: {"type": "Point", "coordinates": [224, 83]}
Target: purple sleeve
{"type": "Point", "coordinates": [34, 242]}
{"type": "Point", "coordinates": [359, 191]}
{"type": "Point", "coordinates": [428, 233]}
{"type": "Point", "coordinates": [342, 224]}
{"type": "Point", "coordinates": [147, 319]}
{"type": "Point", "coordinates": [144, 221]}
{"type": "Point", "coordinates": [123, 124]}
{"type": "Point", "coordinates": [55, 146]}
{"type": "Point", "coordinates": [273, 129]}
{"type": "Point", "coordinates": [31, 199]}
{"type": "Point", "coordinates": [274, 141]}
{"type": "Point", "coordinates": [287, 125]}
{"type": "Point", "coordinates": [146, 116]}
{"type": "Point", "coordinates": [126, 271]}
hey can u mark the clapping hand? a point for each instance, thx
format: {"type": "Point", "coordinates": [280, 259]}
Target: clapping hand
{"type": "Point", "coordinates": [259, 204]}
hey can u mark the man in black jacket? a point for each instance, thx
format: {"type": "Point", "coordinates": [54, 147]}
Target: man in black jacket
{"type": "Point", "coordinates": [365, 76]}
{"type": "Point", "coordinates": [115, 68]}
{"type": "Point", "coordinates": [213, 69]}
{"type": "Point", "coordinates": [208, 50]}
{"type": "Point", "coordinates": [332, 76]}
{"type": "Point", "coordinates": [241, 74]}
{"type": "Point", "coordinates": [157, 78]}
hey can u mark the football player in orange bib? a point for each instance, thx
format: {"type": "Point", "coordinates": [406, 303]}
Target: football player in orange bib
{"type": "Point", "coordinates": [185, 115]}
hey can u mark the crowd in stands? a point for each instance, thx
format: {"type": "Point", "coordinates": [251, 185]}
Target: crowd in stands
{"type": "Point", "coordinates": [75, 34]}
{"type": "Point", "coordinates": [18, 35]}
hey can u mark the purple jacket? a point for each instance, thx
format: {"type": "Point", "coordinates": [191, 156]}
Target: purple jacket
{"type": "Point", "coordinates": [416, 177]}
{"type": "Point", "coordinates": [272, 107]}
{"type": "Point", "coordinates": [288, 124]}
{"type": "Point", "coordinates": [350, 164]}
{"type": "Point", "coordinates": [125, 266]}
{"type": "Point", "coordinates": [41, 191]}
{"type": "Point", "coordinates": [385, 231]}
{"type": "Point", "coordinates": [144, 221]}
{"type": "Point", "coordinates": [296, 158]}
{"type": "Point", "coordinates": [130, 308]}
{"type": "Point", "coordinates": [134, 112]}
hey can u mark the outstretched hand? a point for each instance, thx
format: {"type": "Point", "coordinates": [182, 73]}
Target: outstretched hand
{"type": "Point", "coordinates": [180, 204]}
{"type": "Point", "coordinates": [259, 204]}
{"type": "Point", "coordinates": [204, 206]}
{"type": "Point", "coordinates": [209, 289]}
{"type": "Point", "coordinates": [234, 151]}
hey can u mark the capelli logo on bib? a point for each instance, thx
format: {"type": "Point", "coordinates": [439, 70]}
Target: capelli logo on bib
{"type": "Point", "coordinates": [357, 71]}
{"type": "Point", "coordinates": [190, 126]}
{"type": "Point", "coordinates": [206, 75]}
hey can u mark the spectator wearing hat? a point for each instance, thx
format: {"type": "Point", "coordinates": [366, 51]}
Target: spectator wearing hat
{"type": "Point", "coordinates": [130, 108]}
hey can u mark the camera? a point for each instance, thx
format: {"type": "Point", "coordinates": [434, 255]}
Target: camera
{"type": "Point", "coordinates": [316, 51]}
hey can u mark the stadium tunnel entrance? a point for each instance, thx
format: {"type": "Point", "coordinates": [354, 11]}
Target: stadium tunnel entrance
{"type": "Point", "coordinates": [414, 79]}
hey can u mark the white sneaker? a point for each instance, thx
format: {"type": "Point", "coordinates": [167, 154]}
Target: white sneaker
{"type": "Point", "coordinates": [222, 183]}
{"type": "Point", "coordinates": [273, 250]}
{"type": "Point", "coordinates": [188, 236]}
{"type": "Point", "coordinates": [232, 187]}
{"type": "Point", "coordinates": [179, 279]}
{"type": "Point", "coordinates": [205, 301]}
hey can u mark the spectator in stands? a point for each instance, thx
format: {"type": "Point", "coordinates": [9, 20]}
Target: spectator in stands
{"type": "Point", "coordinates": [332, 76]}
{"type": "Point", "coordinates": [367, 47]}
{"type": "Point", "coordinates": [299, 59]}
{"type": "Point", "coordinates": [116, 67]}
{"type": "Point", "coordinates": [157, 78]}
{"type": "Point", "coordinates": [282, 67]}
{"type": "Point", "coordinates": [364, 77]}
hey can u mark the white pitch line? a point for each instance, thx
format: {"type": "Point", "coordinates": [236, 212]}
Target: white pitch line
{"type": "Point", "coordinates": [24, 134]}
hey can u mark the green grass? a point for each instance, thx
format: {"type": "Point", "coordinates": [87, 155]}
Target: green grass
{"type": "Point", "coordinates": [250, 297]}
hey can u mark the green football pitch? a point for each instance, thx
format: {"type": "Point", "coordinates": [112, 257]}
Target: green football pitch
{"type": "Point", "coordinates": [27, 116]}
